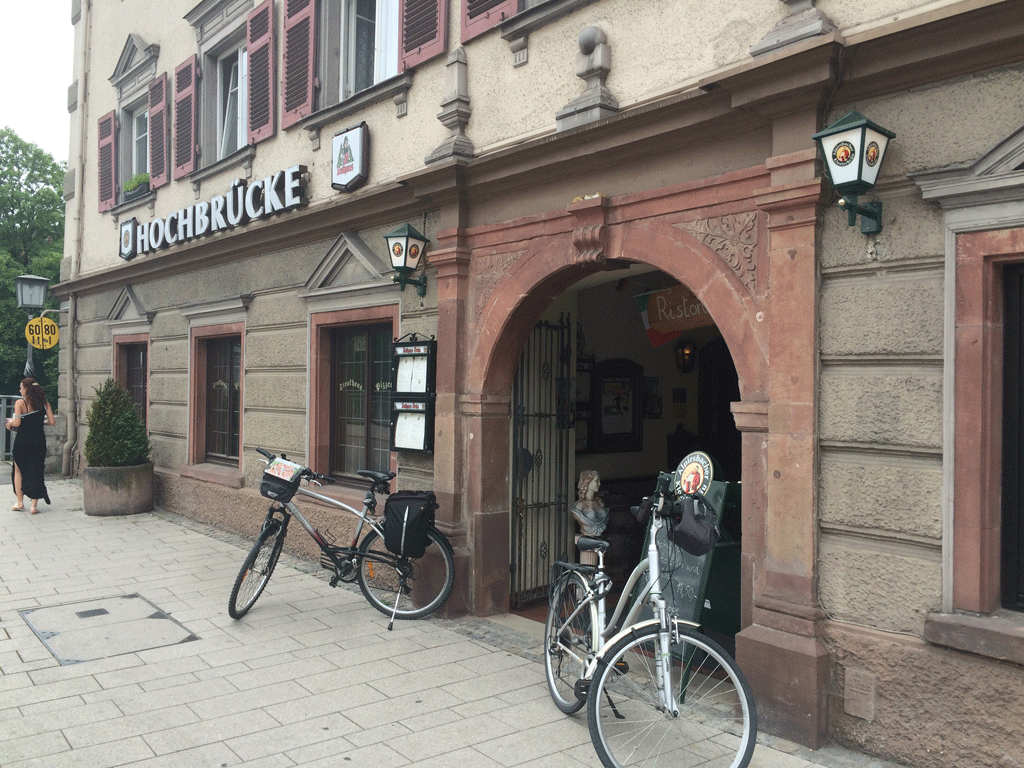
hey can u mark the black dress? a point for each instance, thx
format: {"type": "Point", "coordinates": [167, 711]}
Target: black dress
{"type": "Point", "coordinates": [29, 453]}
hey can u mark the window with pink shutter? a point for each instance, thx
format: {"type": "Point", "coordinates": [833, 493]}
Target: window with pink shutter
{"type": "Point", "coordinates": [424, 30]}
{"type": "Point", "coordinates": [107, 161]}
{"type": "Point", "coordinates": [299, 46]}
{"type": "Point", "coordinates": [186, 112]}
{"type": "Point", "coordinates": [260, 31]}
{"type": "Point", "coordinates": [480, 15]}
{"type": "Point", "coordinates": [159, 130]}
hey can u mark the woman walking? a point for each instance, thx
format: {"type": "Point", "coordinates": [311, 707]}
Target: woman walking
{"type": "Point", "coordinates": [28, 456]}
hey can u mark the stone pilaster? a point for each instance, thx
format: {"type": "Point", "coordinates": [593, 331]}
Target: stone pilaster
{"type": "Point", "coordinates": [786, 661]}
{"type": "Point", "coordinates": [455, 110]}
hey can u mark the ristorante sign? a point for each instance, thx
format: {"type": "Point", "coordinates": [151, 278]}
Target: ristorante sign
{"type": "Point", "coordinates": [283, 191]}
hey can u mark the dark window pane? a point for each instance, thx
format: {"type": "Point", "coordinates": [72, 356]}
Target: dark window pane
{"type": "Point", "coordinates": [361, 404]}
{"type": "Point", "coordinates": [136, 385]}
{"type": "Point", "coordinates": [223, 390]}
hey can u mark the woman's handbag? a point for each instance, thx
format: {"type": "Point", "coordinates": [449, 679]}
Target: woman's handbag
{"type": "Point", "coordinates": [695, 527]}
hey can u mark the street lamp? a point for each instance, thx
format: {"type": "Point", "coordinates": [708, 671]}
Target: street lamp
{"type": "Point", "coordinates": [31, 293]}
{"type": "Point", "coordinates": [406, 247]}
{"type": "Point", "coordinates": [853, 148]}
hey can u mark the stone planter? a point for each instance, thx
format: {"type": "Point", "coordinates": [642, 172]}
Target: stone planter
{"type": "Point", "coordinates": [139, 191]}
{"type": "Point", "coordinates": [118, 490]}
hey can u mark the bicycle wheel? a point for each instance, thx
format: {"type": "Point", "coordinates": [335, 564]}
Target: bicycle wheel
{"type": "Point", "coordinates": [420, 586]}
{"type": "Point", "coordinates": [568, 640]}
{"type": "Point", "coordinates": [717, 722]}
{"type": "Point", "coordinates": [256, 570]}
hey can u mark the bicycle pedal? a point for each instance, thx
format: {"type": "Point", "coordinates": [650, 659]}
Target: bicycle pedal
{"type": "Point", "coordinates": [621, 667]}
{"type": "Point", "coordinates": [582, 689]}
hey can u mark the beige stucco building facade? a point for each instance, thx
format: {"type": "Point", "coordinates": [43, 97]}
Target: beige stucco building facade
{"type": "Point", "coordinates": [565, 157]}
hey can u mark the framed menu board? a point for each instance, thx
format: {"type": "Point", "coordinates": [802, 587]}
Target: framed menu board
{"type": "Point", "coordinates": [414, 367]}
{"type": "Point", "coordinates": [412, 426]}
{"type": "Point", "coordinates": [413, 373]}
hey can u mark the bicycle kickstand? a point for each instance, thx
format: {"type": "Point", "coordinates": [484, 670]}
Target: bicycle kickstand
{"type": "Point", "coordinates": [398, 599]}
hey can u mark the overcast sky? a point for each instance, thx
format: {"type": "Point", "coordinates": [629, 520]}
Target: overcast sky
{"type": "Point", "coordinates": [36, 47]}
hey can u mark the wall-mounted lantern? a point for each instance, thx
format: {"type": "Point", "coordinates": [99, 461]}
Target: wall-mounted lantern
{"type": "Point", "coordinates": [407, 247]}
{"type": "Point", "coordinates": [853, 148]}
{"type": "Point", "coordinates": [686, 355]}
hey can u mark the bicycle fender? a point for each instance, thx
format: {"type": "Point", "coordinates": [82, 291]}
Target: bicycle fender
{"type": "Point", "coordinates": [599, 659]}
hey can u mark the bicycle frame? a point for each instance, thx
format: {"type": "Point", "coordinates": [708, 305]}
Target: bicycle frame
{"type": "Point", "coordinates": [604, 635]}
{"type": "Point", "coordinates": [336, 554]}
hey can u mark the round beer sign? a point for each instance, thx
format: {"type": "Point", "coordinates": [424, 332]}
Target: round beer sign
{"type": "Point", "coordinates": [693, 475]}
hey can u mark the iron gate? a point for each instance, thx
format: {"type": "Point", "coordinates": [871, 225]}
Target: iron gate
{"type": "Point", "coordinates": [542, 398]}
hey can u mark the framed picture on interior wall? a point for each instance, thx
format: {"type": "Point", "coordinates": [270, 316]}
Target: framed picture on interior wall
{"type": "Point", "coordinates": [617, 407]}
{"type": "Point", "coordinates": [652, 397]}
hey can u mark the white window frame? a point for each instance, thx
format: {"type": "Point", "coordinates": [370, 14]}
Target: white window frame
{"type": "Point", "coordinates": [232, 65]}
{"type": "Point", "coordinates": [385, 45]}
{"type": "Point", "coordinates": [138, 164]}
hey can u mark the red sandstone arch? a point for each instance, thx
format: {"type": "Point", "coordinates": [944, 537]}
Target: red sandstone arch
{"type": "Point", "coordinates": [518, 300]}
{"type": "Point", "coordinates": [542, 275]}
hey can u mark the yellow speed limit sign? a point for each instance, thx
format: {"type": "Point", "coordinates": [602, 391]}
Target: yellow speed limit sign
{"type": "Point", "coordinates": [42, 333]}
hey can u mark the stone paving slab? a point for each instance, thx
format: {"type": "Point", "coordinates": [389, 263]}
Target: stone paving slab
{"type": "Point", "coordinates": [309, 677]}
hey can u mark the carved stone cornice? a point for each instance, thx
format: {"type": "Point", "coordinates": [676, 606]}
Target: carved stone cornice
{"type": "Point", "coordinates": [734, 239]}
{"type": "Point", "coordinates": [590, 238]}
{"type": "Point", "coordinates": [490, 270]}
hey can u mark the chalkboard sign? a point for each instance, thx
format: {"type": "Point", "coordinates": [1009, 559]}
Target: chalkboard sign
{"type": "Point", "coordinates": [684, 577]}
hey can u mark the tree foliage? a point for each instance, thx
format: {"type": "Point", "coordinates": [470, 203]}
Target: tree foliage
{"type": "Point", "coordinates": [117, 437]}
{"type": "Point", "coordinates": [31, 242]}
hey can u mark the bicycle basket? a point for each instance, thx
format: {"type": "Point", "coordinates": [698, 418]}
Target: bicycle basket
{"type": "Point", "coordinates": [281, 480]}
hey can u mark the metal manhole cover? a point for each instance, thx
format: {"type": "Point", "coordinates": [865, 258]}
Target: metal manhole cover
{"type": "Point", "coordinates": [108, 626]}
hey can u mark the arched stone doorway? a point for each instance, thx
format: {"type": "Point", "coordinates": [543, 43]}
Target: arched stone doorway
{"type": "Point", "coordinates": [535, 278]}
{"type": "Point", "coordinates": [725, 239]}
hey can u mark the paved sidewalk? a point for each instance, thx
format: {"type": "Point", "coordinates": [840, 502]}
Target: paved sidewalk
{"type": "Point", "coordinates": [311, 677]}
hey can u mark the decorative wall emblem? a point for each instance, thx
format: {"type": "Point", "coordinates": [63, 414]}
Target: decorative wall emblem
{"type": "Point", "coordinates": [734, 239]}
{"type": "Point", "coordinates": [489, 272]}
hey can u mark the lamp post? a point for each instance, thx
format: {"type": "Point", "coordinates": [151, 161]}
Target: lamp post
{"type": "Point", "coordinates": [31, 293]}
{"type": "Point", "coordinates": [853, 148]}
{"type": "Point", "coordinates": [406, 247]}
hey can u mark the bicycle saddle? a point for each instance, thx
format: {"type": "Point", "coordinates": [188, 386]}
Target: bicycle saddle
{"type": "Point", "coordinates": [377, 477]}
{"type": "Point", "coordinates": [591, 544]}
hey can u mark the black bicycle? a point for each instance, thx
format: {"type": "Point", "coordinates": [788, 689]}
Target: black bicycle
{"type": "Point", "coordinates": [398, 586]}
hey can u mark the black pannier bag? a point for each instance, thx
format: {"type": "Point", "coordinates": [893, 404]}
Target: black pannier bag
{"type": "Point", "coordinates": [407, 516]}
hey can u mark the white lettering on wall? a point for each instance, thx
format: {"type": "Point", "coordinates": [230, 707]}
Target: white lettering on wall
{"type": "Point", "coordinates": [243, 203]}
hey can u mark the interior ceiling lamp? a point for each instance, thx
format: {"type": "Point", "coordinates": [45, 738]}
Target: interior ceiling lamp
{"type": "Point", "coordinates": [853, 148]}
{"type": "Point", "coordinates": [406, 247]}
{"type": "Point", "coordinates": [686, 355]}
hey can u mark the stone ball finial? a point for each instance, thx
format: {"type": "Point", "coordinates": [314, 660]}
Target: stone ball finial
{"type": "Point", "coordinates": [590, 38]}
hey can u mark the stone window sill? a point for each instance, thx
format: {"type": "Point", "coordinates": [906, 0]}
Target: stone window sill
{"type": "Point", "coordinates": [218, 474]}
{"type": "Point", "coordinates": [997, 636]}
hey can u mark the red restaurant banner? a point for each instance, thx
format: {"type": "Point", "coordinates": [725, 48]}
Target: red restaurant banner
{"type": "Point", "coordinates": [669, 312]}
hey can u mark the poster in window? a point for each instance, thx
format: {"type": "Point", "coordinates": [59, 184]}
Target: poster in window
{"type": "Point", "coordinates": [616, 423]}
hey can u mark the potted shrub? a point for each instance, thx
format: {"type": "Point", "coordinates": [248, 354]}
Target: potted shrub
{"type": "Point", "coordinates": [136, 186]}
{"type": "Point", "coordinates": [119, 477]}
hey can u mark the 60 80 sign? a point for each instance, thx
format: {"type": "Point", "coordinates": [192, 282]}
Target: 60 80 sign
{"type": "Point", "coordinates": [42, 333]}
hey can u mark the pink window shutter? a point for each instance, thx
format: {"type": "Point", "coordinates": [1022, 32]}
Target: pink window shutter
{"type": "Point", "coordinates": [424, 30]}
{"type": "Point", "coordinates": [107, 161]}
{"type": "Point", "coordinates": [186, 114]}
{"type": "Point", "coordinates": [159, 132]}
{"type": "Point", "coordinates": [480, 15]}
{"type": "Point", "coordinates": [260, 48]}
{"type": "Point", "coordinates": [299, 47]}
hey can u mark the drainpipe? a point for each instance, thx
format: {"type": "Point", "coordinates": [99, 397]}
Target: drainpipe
{"type": "Point", "coordinates": [72, 415]}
